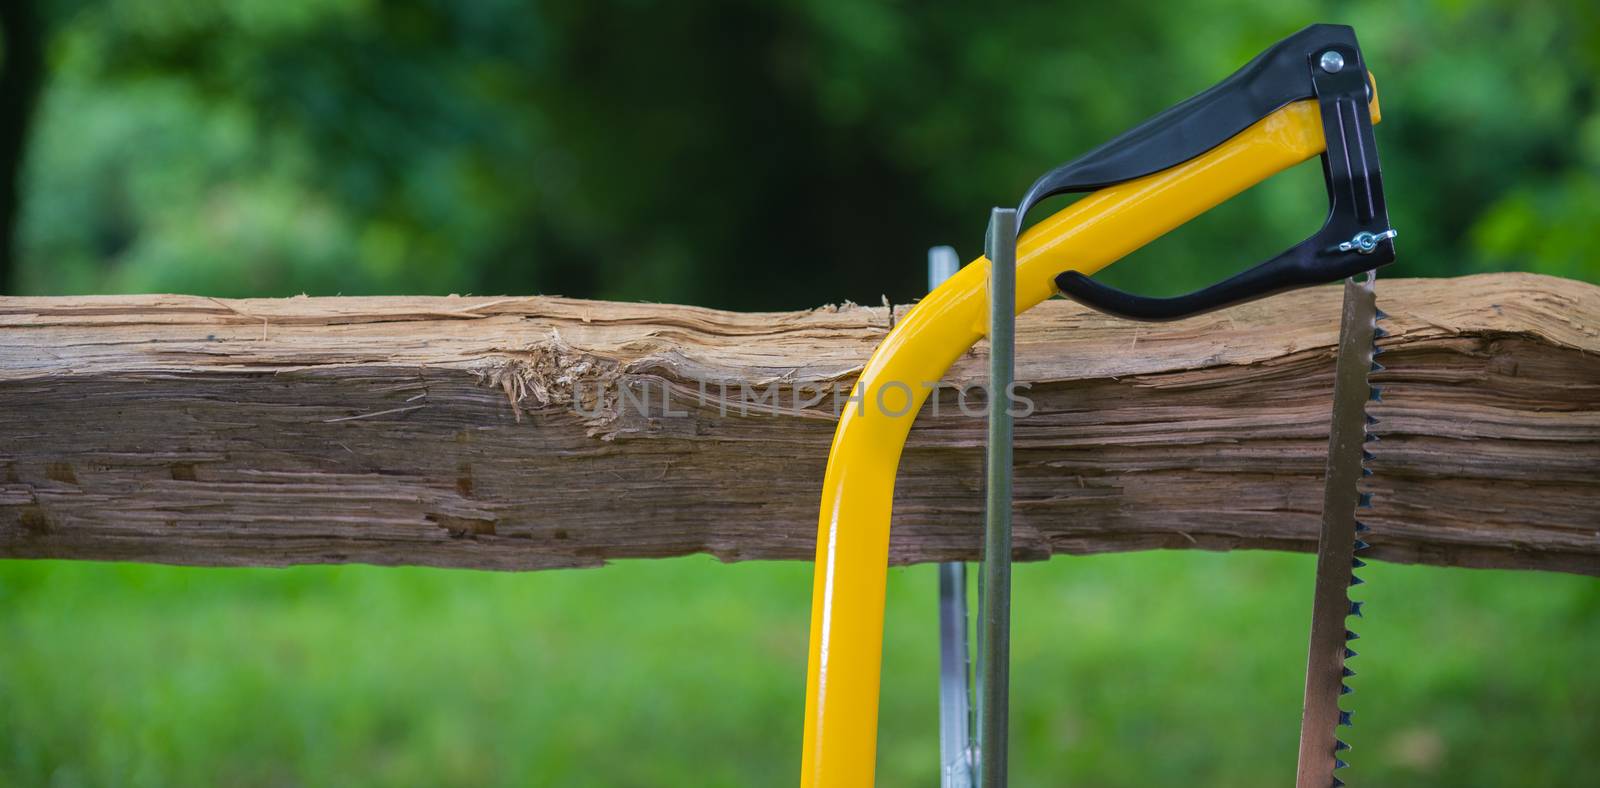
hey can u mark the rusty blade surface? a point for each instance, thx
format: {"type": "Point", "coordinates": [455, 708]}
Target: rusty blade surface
{"type": "Point", "coordinates": [1320, 746]}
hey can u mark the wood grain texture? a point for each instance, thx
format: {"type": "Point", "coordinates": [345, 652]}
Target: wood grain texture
{"type": "Point", "coordinates": [495, 432]}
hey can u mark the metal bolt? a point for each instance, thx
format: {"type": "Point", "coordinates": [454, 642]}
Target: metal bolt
{"type": "Point", "coordinates": [1331, 62]}
{"type": "Point", "coordinates": [1365, 242]}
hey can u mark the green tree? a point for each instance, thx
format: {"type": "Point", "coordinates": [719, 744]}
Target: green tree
{"type": "Point", "coordinates": [738, 154]}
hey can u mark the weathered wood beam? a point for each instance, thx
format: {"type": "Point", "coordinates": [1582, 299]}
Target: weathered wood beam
{"type": "Point", "coordinates": [494, 433]}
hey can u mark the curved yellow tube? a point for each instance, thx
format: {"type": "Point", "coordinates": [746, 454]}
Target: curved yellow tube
{"type": "Point", "coordinates": [853, 530]}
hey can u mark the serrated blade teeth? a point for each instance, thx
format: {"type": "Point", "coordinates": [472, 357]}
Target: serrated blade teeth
{"type": "Point", "coordinates": [1338, 783]}
{"type": "Point", "coordinates": [1379, 314]}
{"type": "Point", "coordinates": [1361, 545]}
{"type": "Point", "coordinates": [1357, 360]}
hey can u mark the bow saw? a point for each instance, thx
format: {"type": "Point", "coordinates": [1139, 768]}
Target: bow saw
{"type": "Point", "coordinates": [1308, 95]}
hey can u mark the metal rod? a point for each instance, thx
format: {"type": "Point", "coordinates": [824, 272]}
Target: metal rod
{"type": "Point", "coordinates": [955, 660]}
{"type": "Point", "coordinates": [994, 625]}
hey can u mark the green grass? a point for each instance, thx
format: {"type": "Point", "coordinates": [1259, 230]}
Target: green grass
{"type": "Point", "coordinates": [1138, 670]}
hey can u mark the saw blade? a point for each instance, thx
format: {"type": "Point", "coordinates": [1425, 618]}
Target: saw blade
{"type": "Point", "coordinates": [1342, 537]}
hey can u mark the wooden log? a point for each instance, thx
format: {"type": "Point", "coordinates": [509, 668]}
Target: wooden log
{"type": "Point", "coordinates": [505, 433]}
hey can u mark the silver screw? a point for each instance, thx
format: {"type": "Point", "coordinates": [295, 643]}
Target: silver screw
{"type": "Point", "coordinates": [1331, 62]}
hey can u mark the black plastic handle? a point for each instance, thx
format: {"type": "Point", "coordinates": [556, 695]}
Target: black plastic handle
{"type": "Point", "coordinates": [1297, 267]}
{"type": "Point", "coordinates": [1322, 62]}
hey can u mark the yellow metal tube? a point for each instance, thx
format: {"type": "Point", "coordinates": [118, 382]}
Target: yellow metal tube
{"type": "Point", "coordinates": [847, 601]}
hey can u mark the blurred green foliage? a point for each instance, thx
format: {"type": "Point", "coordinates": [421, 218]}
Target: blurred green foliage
{"type": "Point", "coordinates": [1131, 671]}
{"type": "Point", "coordinates": [750, 155]}
{"type": "Point", "coordinates": [734, 154]}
